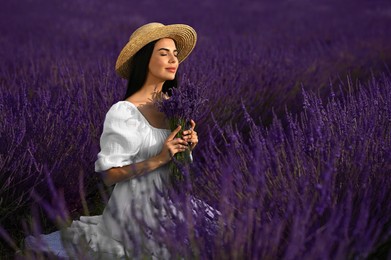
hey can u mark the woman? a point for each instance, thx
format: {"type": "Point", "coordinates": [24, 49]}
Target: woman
{"type": "Point", "coordinates": [136, 144]}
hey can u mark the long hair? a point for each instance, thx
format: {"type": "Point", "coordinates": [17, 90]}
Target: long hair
{"type": "Point", "coordinates": [139, 72]}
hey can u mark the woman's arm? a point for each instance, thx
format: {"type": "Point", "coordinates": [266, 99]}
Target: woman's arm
{"type": "Point", "coordinates": [118, 174]}
{"type": "Point", "coordinates": [170, 147]}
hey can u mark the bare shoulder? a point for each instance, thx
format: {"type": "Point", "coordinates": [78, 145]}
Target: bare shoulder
{"type": "Point", "coordinates": [135, 101]}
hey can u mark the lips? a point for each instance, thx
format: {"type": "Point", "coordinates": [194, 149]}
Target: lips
{"type": "Point", "coordinates": [171, 69]}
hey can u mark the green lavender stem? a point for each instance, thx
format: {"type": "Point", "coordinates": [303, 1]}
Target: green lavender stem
{"type": "Point", "coordinates": [183, 158]}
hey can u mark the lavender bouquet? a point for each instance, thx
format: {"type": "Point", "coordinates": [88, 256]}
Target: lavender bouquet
{"type": "Point", "coordinates": [185, 103]}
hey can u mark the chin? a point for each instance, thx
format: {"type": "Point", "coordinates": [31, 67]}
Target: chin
{"type": "Point", "coordinates": [169, 78]}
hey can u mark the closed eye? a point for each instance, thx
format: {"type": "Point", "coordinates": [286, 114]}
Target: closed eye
{"type": "Point", "coordinates": [165, 51]}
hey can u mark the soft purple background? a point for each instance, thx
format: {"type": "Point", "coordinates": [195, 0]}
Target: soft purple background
{"type": "Point", "coordinates": [293, 187]}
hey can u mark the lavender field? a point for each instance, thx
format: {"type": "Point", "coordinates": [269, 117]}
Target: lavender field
{"type": "Point", "coordinates": [295, 144]}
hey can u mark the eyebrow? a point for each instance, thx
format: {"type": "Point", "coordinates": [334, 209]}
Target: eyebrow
{"type": "Point", "coordinates": [165, 49]}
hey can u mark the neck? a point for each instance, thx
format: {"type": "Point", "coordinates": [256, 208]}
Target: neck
{"type": "Point", "coordinates": [151, 88]}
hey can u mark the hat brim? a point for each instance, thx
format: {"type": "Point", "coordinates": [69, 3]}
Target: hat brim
{"type": "Point", "coordinates": [184, 36]}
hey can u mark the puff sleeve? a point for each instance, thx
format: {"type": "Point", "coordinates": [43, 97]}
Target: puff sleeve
{"type": "Point", "coordinates": [120, 141]}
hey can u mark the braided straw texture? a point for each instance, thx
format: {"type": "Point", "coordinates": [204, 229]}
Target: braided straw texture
{"type": "Point", "coordinates": [184, 36]}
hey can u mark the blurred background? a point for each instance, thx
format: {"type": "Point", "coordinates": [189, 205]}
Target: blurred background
{"type": "Point", "coordinates": [57, 77]}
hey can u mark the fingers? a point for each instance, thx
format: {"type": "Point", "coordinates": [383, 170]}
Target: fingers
{"type": "Point", "coordinates": [193, 124]}
{"type": "Point", "coordinates": [193, 142]}
{"type": "Point", "coordinates": [194, 139]}
{"type": "Point", "coordinates": [173, 133]}
{"type": "Point", "coordinates": [190, 136]}
{"type": "Point", "coordinates": [178, 141]}
{"type": "Point", "coordinates": [177, 145]}
{"type": "Point", "coordinates": [191, 130]}
{"type": "Point", "coordinates": [189, 140]}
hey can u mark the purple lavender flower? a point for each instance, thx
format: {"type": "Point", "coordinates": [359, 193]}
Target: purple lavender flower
{"type": "Point", "coordinates": [185, 104]}
{"type": "Point", "coordinates": [57, 82]}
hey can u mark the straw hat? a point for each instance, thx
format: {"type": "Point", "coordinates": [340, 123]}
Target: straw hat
{"type": "Point", "coordinates": [184, 36]}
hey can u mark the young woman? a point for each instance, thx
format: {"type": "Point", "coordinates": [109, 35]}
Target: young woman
{"type": "Point", "coordinates": [136, 144]}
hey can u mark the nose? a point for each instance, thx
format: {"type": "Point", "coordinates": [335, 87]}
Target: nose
{"type": "Point", "coordinates": [173, 59]}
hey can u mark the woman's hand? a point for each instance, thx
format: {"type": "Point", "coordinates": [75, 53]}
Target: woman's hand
{"type": "Point", "coordinates": [190, 136]}
{"type": "Point", "coordinates": [172, 146]}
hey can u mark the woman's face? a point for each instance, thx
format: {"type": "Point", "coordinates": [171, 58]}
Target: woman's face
{"type": "Point", "coordinates": [164, 62]}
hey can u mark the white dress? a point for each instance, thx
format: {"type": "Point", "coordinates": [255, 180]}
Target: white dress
{"type": "Point", "coordinates": [127, 138]}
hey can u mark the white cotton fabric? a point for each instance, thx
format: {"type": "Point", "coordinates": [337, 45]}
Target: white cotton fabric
{"type": "Point", "coordinates": [127, 138]}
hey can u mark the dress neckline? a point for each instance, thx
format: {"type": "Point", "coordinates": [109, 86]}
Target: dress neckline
{"type": "Point", "coordinates": [145, 119]}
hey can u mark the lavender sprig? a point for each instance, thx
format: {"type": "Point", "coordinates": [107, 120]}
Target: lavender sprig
{"type": "Point", "coordinates": [185, 104]}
